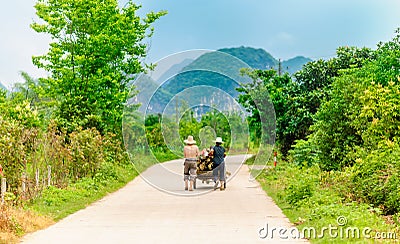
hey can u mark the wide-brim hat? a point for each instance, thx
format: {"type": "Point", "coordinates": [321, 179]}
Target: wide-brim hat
{"type": "Point", "coordinates": [218, 140]}
{"type": "Point", "coordinates": [190, 140]}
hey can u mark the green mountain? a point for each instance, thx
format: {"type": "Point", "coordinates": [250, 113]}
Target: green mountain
{"type": "Point", "coordinates": [260, 59]}
{"type": "Point", "coordinates": [255, 58]}
{"type": "Point", "coordinates": [201, 81]}
{"type": "Point", "coordinates": [146, 88]}
{"type": "Point", "coordinates": [175, 69]}
{"type": "Point", "coordinates": [294, 64]}
{"type": "Point", "coordinates": [2, 86]}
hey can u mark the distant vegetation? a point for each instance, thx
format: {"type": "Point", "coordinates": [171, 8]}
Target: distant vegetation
{"type": "Point", "coordinates": [261, 59]}
{"type": "Point", "coordinates": [215, 69]}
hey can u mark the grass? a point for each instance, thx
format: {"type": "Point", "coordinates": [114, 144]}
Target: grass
{"type": "Point", "coordinates": [312, 205]}
{"type": "Point", "coordinates": [55, 203]}
{"type": "Point", "coordinates": [58, 203]}
{"type": "Point", "coordinates": [15, 222]}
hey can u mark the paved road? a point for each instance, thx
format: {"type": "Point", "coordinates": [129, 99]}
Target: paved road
{"type": "Point", "coordinates": [155, 208]}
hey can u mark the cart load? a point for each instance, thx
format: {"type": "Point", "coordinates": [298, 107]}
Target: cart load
{"type": "Point", "coordinates": [205, 161]}
{"type": "Point", "coordinates": [205, 168]}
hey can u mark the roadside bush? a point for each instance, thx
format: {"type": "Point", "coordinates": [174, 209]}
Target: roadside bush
{"type": "Point", "coordinates": [376, 179]}
{"type": "Point", "coordinates": [303, 184]}
{"type": "Point", "coordinates": [304, 153]}
{"type": "Point", "coordinates": [26, 149]}
{"type": "Point", "coordinates": [297, 192]}
{"type": "Point", "coordinates": [86, 148]}
{"type": "Point", "coordinates": [114, 150]}
{"type": "Point", "coordinates": [313, 198]}
{"type": "Point", "coordinates": [15, 148]}
{"type": "Point", "coordinates": [55, 153]}
{"type": "Point", "coordinates": [105, 173]}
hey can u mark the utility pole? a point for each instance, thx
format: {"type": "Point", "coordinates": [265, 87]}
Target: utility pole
{"type": "Point", "coordinates": [176, 111]}
{"type": "Point", "coordinates": [280, 67]}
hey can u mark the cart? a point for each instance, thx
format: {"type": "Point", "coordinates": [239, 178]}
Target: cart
{"type": "Point", "coordinates": [205, 170]}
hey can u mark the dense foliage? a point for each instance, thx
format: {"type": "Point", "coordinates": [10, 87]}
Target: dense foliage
{"type": "Point", "coordinates": [97, 48]}
{"type": "Point", "coordinates": [296, 100]}
{"type": "Point", "coordinates": [341, 114]}
{"type": "Point", "coordinates": [337, 120]}
{"type": "Point", "coordinates": [314, 199]}
{"type": "Point", "coordinates": [71, 120]}
{"type": "Point", "coordinates": [230, 126]}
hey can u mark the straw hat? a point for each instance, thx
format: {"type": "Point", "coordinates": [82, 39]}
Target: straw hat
{"type": "Point", "coordinates": [190, 140]}
{"type": "Point", "coordinates": [218, 140]}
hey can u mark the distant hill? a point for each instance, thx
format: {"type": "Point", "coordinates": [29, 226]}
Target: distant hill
{"type": "Point", "coordinates": [255, 58]}
{"type": "Point", "coordinates": [2, 86]}
{"type": "Point", "coordinates": [175, 69]}
{"type": "Point", "coordinates": [210, 73]}
{"type": "Point", "coordinates": [294, 64]}
{"type": "Point", "coordinates": [260, 59]}
{"type": "Point", "coordinates": [147, 87]}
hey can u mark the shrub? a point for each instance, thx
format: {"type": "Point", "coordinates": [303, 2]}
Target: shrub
{"type": "Point", "coordinates": [304, 153]}
{"type": "Point", "coordinates": [376, 179]}
{"type": "Point", "coordinates": [297, 192]}
{"type": "Point", "coordinates": [86, 149]}
{"type": "Point", "coordinates": [15, 143]}
{"type": "Point", "coordinates": [301, 185]}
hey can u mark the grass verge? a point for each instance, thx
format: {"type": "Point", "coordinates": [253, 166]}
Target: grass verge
{"type": "Point", "coordinates": [15, 222]}
{"type": "Point", "coordinates": [311, 200]}
{"type": "Point", "coordinates": [58, 203]}
{"type": "Point", "coordinates": [53, 203]}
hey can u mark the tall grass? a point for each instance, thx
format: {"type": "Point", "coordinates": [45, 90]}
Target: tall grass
{"type": "Point", "coordinates": [311, 198]}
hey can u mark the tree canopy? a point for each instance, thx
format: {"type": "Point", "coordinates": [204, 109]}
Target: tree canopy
{"type": "Point", "coordinates": [96, 49]}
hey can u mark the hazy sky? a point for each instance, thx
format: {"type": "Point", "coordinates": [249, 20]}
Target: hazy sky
{"type": "Point", "coordinates": [284, 28]}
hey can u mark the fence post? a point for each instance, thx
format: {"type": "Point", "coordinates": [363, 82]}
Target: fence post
{"type": "Point", "coordinates": [48, 175]}
{"type": "Point", "coordinates": [3, 189]}
{"type": "Point", "coordinates": [37, 178]}
{"type": "Point", "coordinates": [23, 184]}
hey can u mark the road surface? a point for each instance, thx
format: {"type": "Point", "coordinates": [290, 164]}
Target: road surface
{"type": "Point", "coordinates": [155, 208]}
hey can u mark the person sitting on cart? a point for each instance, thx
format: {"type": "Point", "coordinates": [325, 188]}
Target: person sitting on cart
{"type": "Point", "coordinates": [218, 152]}
{"type": "Point", "coordinates": [190, 152]}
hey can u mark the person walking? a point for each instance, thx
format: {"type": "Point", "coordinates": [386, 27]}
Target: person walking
{"type": "Point", "coordinates": [218, 152]}
{"type": "Point", "coordinates": [190, 152]}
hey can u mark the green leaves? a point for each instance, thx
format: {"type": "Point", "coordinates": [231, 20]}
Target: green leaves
{"type": "Point", "coordinates": [360, 113]}
{"type": "Point", "coordinates": [96, 49]}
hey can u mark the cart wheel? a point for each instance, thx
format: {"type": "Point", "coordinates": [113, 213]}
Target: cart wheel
{"type": "Point", "coordinates": [225, 184]}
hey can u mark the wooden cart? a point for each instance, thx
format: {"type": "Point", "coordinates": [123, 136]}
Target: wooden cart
{"type": "Point", "coordinates": [205, 171]}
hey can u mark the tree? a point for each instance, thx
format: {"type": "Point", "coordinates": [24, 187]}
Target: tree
{"type": "Point", "coordinates": [220, 124]}
{"type": "Point", "coordinates": [313, 83]}
{"type": "Point", "coordinates": [359, 113]}
{"type": "Point", "coordinates": [26, 91]}
{"type": "Point", "coordinates": [267, 88]}
{"type": "Point", "coordinates": [296, 100]}
{"type": "Point", "coordinates": [96, 50]}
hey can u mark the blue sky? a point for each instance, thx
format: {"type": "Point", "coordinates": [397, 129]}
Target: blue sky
{"type": "Point", "coordinates": [284, 28]}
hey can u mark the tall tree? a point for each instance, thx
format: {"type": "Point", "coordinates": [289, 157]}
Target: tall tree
{"type": "Point", "coordinates": [297, 100]}
{"type": "Point", "coordinates": [361, 111]}
{"type": "Point", "coordinates": [96, 50]}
